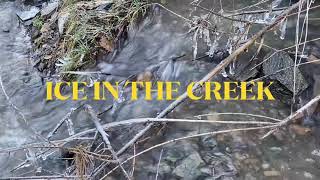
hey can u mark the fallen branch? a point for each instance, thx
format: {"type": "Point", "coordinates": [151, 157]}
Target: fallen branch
{"type": "Point", "coordinates": [104, 135]}
{"type": "Point", "coordinates": [215, 71]}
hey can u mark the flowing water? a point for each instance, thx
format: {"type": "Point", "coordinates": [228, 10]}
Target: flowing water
{"type": "Point", "coordinates": [161, 45]}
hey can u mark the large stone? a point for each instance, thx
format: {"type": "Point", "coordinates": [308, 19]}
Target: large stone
{"type": "Point", "coordinates": [189, 168]}
{"type": "Point", "coordinates": [51, 6]}
{"type": "Point", "coordinates": [28, 14]}
{"type": "Point", "coordinates": [279, 61]}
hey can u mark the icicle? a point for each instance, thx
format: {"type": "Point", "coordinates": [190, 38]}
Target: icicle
{"type": "Point", "coordinates": [195, 44]}
{"type": "Point", "coordinates": [120, 100]}
{"type": "Point", "coordinates": [206, 34]}
{"type": "Point", "coordinates": [224, 73]}
{"type": "Point", "coordinates": [229, 46]}
{"type": "Point", "coordinates": [266, 17]}
{"type": "Point", "coordinates": [91, 82]}
{"type": "Point", "coordinates": [70, 127]}
{"type": "Point", "coordinates": [283, 28]}
{"type": "Point", "coordinates": [232, 68]}
{"type": "Point", "coordinates": [212, 49]}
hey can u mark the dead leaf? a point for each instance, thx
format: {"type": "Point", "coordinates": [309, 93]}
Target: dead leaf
{"type": "Point", "coordinates": [145, 76]}
{"type": "Point", "coordinates": [45, 28]}
{"type": "Point", "coordinates": [300, 130]}
{"type": "Point", "coordinates": [313, 59]}
{"type": "Point", "coordinates": [106, 44]}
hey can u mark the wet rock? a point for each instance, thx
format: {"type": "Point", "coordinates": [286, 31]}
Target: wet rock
{"type": "Point", "coordinates": [164, 168]}
{"type": "Point", "coordinates": [28, 14]}
{"type": "Point", "coordinates": [206, 170]}
{"type": "Point", "coordinates": [174, 155]}
{"type": "Point", "coordinates": [51, 6]}
{"type": "Point", "coordinates": [209, 141]}
{"type": "Point", "coordinates": [282, 60]}
{"type": "Point", "coordinates": [189, 167]}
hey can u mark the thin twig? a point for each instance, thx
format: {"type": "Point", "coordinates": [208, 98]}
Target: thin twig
{"type": "Point", "coordinates": [241, 114]}
{"type": "Point", "coordinates": [104, 135]}
{"type": "Point", "coordinates": [225, 17]}
{"type": "Point", "coordinates": [67, 116]}
{"type": "Point", "coordinates": [158, 166]}
{"type": "Point", "coordinates": [134, 160]}
{"type": "Point", "coordinates": [254, 12]}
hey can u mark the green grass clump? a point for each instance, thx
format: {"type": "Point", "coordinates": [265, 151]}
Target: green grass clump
{"type": "Point", "coordinates": [38, 22]}
{"type": "Point", "coordinates": [86, 26]}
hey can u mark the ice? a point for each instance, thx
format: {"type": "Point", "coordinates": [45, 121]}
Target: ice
{"type": "Point", "coordinates": [224, 73]}
{"type": "Point", "coordinates": [70, 127]}
{"type": "Point", "coordinates": [213, 48]}
{"type": "Point", "coordinates": [283, 28]}
{"type": "Point", "coordinates": [276, 3]}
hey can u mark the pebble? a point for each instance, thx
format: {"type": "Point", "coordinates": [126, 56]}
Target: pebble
{"type": "Point", "coordinates": [275, 149]}
{"type": "Point", "coordinates": [188, 168]}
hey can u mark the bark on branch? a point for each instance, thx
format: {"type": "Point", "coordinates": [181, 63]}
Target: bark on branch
{"type": "Point", "coordinates": [215, 71]}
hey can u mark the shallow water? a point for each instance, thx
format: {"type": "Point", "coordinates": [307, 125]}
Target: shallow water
{"type": "Point", "coordinates": [153, 46]}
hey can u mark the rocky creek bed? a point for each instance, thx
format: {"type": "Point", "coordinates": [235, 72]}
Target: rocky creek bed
{"type": "Point", "coordinates": [171, 41]}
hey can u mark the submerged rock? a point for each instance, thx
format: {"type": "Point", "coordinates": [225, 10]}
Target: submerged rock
{"type": "Point", "coordinates": [28, 14]}
{"type": "Point", "coordinates": [189, 168]}
{"type": "Point", "coordinates": [279, 61]}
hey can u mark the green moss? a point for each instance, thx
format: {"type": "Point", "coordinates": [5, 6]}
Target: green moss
{"type": "Point", "coordinates": [38, 22]}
